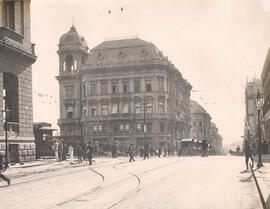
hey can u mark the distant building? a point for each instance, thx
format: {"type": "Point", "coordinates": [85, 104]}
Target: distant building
{"type": "Point", "coordinates": [200, 122]}
{"type": "Point", "coordinates": [108, 94]}
{"type": "Point", "coordinates": [215, 138]}
{"type": "Point", "coordinates": [251, 119]}
{"type": "Point", "coordinates": [16, 57]}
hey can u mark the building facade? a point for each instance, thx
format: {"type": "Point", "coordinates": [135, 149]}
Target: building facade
{"type": "Point", "coordinates": [251, 120]}
{"type": "Point", "coordinates": [215, 138]}
{"type": "Point", "coordinates": [200, 121]}
{"type": "Point", "coordinates": [122, 90]}
{"type": "Point", "coordinates": [16, 57]}
{"type": "Point", "coordinates": [265, 78]}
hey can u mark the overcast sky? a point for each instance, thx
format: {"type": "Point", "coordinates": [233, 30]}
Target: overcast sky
{"type": "Point", "coordinates": [216, 45]}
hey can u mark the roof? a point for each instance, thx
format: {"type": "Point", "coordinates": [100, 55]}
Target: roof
{"type": "Point", "coordinates": [195, 107]}
{"type": "Point", "coordinates": [124, 52]}
{"type": "Point", "coordinates": [122, 43]}
{"type": "Point", "coordinates": [72, 40]}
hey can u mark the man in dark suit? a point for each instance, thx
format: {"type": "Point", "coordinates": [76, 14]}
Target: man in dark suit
{"type": "Point", "coordinates": [2, 176]}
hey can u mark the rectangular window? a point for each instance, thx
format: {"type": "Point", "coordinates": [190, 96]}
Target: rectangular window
{"type": "Point", "coordinates": [161, 127]}
{"type": "Point", "coordinates": [125, 86]}
{"type": "Point", "coordinates": [84, 111]}
{"type": "Point", "coordinates": [200, 124]}
{"type": "Point", "coordinates": [121, 127]}
{"type": "Point", "coordinates": [137, 86]}
{"type": "Point", "coordinates": [114, 108]}
{"type": "Point", "coordinates": [149, 108]}
{"type": "Point", "coordinates": [9, 14]}
{"type": "Point", "coordinates": [148, 85]}
{"type": "Point", "coordinates": [127, 127]}
{"type": "Point", "coordinates": [69, 92]}
{"type": "Point", "coordinates": [104, 87]}
{"type": "Point", "coordinates": [104, 110]}
{"type": "Point", "coordinates": [93, 110]}
{"type": "Point", "coordinates": [94, 128]}
{"type": "Point", "coordinates": [114, 87]}
{"type": "Point", "coordinates": [84, 90]}
{"type": "Point", "coordinates": [93, 86]}
{"type": "Point", "coordinates": [161, 105]}
{"type": "Point", "coordinates": [125, 107]}
{"type": "Point", "coordinates": [69, 112]}
{"type": "Point", "coordinates": [100, 128]}
{"type": "Point", "coordinates": [137, 108]}
{"type": "Point", "coordinates": [160, 83]}
{"type": "Point", "coordinates": [139, 127]}
{"type": "Point", "coordinates": [149, 127]}
{"type": "Point", "coordinates": [104, 128]}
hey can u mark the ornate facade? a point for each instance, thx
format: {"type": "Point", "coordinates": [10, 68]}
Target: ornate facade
{"type": "Point", "coordinates": [123, 90]}
{"type": "Point", "coordinates": [16, 57]}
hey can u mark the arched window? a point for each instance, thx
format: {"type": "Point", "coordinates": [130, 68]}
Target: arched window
{"type": "Point", "coordinates": [69, 63]}
{"type": "Point", "coordinates": [10, 96]}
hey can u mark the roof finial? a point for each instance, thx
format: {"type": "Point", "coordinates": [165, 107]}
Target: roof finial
{"type": "Point", "coordinates": [73, 22]}
{"type": "Point", "coordinates": [73, 27]}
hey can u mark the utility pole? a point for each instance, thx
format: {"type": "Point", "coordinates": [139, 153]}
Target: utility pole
{"type": "Point", "coordinates": [144, 125]}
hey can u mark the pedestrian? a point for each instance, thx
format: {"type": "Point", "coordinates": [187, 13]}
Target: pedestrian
{"type": "Point", "coordinates": [89, 152]}
{"type": "Point", "coordinates": [70, 150]}
{"type": "Point", "coordinates": [130, 152]}
{"type": "Point", "coordinates": [159, 150]}
{"type": "Point", "coordinates": [248, 153]}
{"type": "Point", "coordinates": [141, 152]}
{"type": "Point", "coordinates": [146, 150]}
{"type": "Point", "coordinates": [79, 152]}
{"type": "Point", "coordinates": [60, 150]}
{"type": "Point", "coordinates": [55, 148]}
{"type": "Point", "coordinates": [2, 168]}
{"type": "Point", "coordinates": [238, 150]}
{"type": "Point", "coordinates": [65, 151]}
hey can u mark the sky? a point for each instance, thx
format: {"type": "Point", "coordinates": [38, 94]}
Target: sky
{"type": "Point", "coordinates": [216, 45]}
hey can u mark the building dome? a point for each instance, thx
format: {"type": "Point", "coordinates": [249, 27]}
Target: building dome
{"type": "Point", "coordinates": [72, 41]}
{"type": "Point", "coordinates": [124, 52]}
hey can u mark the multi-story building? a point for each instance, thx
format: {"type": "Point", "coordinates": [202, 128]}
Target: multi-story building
{"type": "Point", "coordinates": [265, 77]}
{"type": "Point", "coordinates": [251, 119]}
{"type": "Point", "coordinates": [215, 138]}
{"type": "Point", "coordinates": [123, 90]}
{"type": "Point", "coordinates": [16, 57]}
{"type": "Point", "coordinates": [200, 121]}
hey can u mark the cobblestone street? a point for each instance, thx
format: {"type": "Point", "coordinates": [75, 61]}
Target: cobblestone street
{"type": "Point", "coordinates": [187, 182]}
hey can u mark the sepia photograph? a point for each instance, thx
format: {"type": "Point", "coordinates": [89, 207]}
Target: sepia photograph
{"type": "Point", "coordinates": [135, 104]}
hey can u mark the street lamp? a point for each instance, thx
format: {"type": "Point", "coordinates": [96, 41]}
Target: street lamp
{"type": "Point", "coordinates": [6, 111]}
{"type": "Point", "coordinates": [259, 104]}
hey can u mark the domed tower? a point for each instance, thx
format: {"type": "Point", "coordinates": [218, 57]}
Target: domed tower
{"type": "Point", "coordinates": [73, 52]}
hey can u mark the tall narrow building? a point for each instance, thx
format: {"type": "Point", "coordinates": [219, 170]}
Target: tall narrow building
{"type": "Point", "coordinates": [16, 57]}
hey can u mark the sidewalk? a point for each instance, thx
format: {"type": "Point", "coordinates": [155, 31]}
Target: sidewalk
{"type": "Point", "coordinates": [263, 178]}
{"type": "Point", "coordinates": [46, 166]}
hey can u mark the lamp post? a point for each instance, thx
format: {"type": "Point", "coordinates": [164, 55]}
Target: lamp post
{"type": "Point", "coordinates": [6, 111]}
{"type": "Point", "coordinates": [259, 103]}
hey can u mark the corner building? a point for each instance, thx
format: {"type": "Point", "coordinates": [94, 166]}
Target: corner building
{"type": "Point", "coordinates": [109, 93]}
{"type": "Point", "coordinates": [16, 57]}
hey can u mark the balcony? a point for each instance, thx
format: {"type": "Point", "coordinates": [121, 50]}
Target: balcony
{"type": "Point", "coordinates": [11, 44]}
{"type": "Point", "coordinates": [12, 128]}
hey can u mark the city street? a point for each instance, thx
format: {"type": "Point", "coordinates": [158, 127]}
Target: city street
{"type": "Point", "coordinates": [172, 182]}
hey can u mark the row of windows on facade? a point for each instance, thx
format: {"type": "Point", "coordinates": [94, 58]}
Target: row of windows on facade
{"type": "Point", "coordinates": [93, 110]}
{"type": "Point", "coordinates": [104, 87]}
{"type": "Point", "coordinates": [10, 14]}
{"type": "Point", "coordinates": [125, 128]}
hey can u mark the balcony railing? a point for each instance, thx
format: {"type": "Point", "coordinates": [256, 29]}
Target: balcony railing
{"type": "Point", "coordinates": [8, 33]}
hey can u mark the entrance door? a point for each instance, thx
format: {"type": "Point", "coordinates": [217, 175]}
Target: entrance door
{"type": "Point", "coordinates": [13, 153]}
